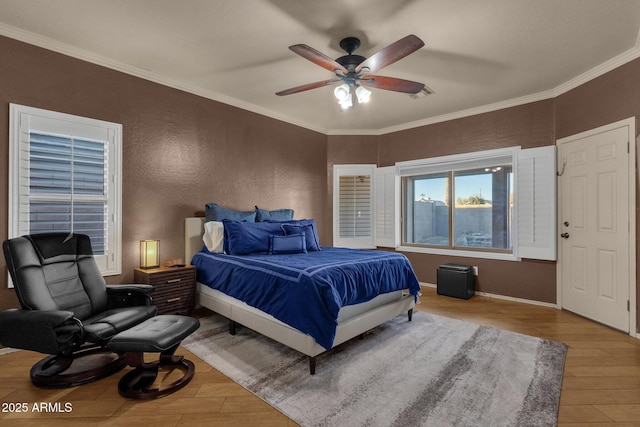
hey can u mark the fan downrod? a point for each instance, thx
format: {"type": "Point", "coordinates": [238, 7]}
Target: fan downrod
{"type": "Point", "coordinates": [350, 44]}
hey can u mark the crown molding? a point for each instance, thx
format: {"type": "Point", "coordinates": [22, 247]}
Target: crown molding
{"type": "Point", "coordinates": [595, 72]}
{"type": "Point", "coordinates": [599, 70]}
{"type": "Point", "coordinates": [85, 55]}
{"type": "Point", "coordinates": [88, 56]}
{"type": "Point", "coordinates": [469, 112]}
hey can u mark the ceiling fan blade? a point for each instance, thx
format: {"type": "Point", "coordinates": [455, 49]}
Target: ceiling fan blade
{"type": "Point", "coordinates": [317, 58]}
{"type": "Point", "coordinates": [306, 87]}
{"type": "Point", "coordinates": [392, 53]}
{"type": "Point", "coordinates": [391, 83]}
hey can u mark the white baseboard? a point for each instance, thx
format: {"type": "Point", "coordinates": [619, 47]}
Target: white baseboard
{"type": "Point", "coordinates": [503, 297]}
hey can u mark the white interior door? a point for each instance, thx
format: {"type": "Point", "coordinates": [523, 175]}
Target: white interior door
{"type": "Point", "coordinates": [595, 228]}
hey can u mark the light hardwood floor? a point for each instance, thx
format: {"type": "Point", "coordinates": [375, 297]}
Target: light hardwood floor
{"type": "Point", "coordinates": [601, 384]}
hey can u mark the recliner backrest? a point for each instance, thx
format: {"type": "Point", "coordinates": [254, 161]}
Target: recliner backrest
{"type": "Point", "coordinates": [56, 271]}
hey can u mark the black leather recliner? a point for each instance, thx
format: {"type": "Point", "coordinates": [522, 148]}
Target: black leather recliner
{"type": "Point", "coordinates": [67, 309]}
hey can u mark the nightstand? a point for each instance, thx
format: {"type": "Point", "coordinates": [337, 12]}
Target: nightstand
{"type": "Point", "coordinates": [174, 287]}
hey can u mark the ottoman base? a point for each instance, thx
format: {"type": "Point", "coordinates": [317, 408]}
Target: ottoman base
{"type": "Point", "coordinates": [160, 334]}
{"type": "Point", "coordinates": [135, 383]}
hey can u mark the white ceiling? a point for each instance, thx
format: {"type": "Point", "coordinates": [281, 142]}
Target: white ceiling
{"type": "Point", "coordinates": [479, 55]}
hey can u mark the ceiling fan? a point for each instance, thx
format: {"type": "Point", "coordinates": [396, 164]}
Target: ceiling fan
{"type": "Point", "coordinates": [353, 71]}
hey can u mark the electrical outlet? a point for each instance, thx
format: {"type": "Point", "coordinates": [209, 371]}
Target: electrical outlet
{"type": "Point", "coordinates": [475, 270]}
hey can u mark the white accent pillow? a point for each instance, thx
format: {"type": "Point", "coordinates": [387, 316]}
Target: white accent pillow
{"type": "Point", "coordinates": [213, 236]}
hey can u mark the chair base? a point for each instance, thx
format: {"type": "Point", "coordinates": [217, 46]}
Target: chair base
{"type": "Point", "coordinates": [137, 383]}
{"type": "Point", "coordinates": [161, 334]}
{"type": "Point", "coordinates": [83, 366]}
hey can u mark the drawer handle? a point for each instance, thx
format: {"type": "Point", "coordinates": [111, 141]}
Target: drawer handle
{"type": "Point", "coordinates": [174, 299]}
{"type": "Point", "coordinates": [174, 280]}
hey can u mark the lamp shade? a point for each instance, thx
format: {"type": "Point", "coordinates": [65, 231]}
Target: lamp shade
{"type": "Point", "coordinates": [149, 253]}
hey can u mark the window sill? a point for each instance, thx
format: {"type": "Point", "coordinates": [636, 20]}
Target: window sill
{"type": "Point", "coordinates": [459, 253]}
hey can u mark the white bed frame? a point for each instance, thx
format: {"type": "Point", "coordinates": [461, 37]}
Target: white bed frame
{"type": "Point", "coordinates": [353, 320]}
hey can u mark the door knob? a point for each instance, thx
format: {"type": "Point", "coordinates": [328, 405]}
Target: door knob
{"type": "Point", "coordinates": [565, 235]}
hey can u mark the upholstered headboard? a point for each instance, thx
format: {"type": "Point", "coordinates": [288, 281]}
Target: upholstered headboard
{"type": "Point", "coordinates": [193, 230]}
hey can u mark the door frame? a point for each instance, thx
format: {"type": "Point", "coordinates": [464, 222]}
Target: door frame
{"type": "Point", "coordinates": [630, 123]}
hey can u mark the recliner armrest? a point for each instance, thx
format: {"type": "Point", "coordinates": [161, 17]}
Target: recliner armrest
{"type": "Point", "coordinates": [136, 287]}
{"type": "Point", "coordinates": [129, 295]}
{"type": "Point", "coordinates": [50, 332]}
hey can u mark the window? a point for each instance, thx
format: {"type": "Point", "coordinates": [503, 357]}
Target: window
{"type": "Point", "coordinates": [498, 204]}
{"type": "Point", "coordinates": [470, 209]}
{"type": "Point", "coordinates": [427, 210]}
{"type": "Point", "coordinates": [65, 174]}
{"type": "Point", "coordinates": [494, 204]}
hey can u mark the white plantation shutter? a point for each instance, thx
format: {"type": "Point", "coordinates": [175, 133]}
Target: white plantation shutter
{"type": "Point", "coordinates": [353, 206]}
{"type": "Point", "coordinates": [536, 203]}
{"type": "Point", "coordinates": [67, 187]}
{"type": "Point", "coordinates": [65, 176]}
{"type": "Point", "coordinates": [387, 199]}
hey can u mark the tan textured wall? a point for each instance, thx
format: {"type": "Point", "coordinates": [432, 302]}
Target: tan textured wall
{"type": "Point", "coordinates": [529, 125]}
{"type": "Point", "coordinates": [180, 151]}
{"type": "Point", "coordinates": [607, 99]}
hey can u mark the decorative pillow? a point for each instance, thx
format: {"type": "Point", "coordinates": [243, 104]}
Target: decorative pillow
{"type": "Point", "coordinates": [275, 215]}
{"type": "Point", "coordinates": [243, 238]}
{"type": "Point", "coordinates": [306, 227]}
{"type": "Point", "coordinates": [291, 244]}
{"type": "Point", "coordinates": [215, 212]}
{"type": "Point", "coordinates": [213, 236]}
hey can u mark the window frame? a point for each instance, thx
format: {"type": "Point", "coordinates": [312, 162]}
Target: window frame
{"type": "Point", "coordinates": [449, 164]}
{"type": "Point", "coordinates": [24, 119]}
{"type": "Point", "coordinates": [453, 209]}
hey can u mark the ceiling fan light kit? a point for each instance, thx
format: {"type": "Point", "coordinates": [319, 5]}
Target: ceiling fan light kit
{"type": "Point", "coordinates": [343, 94]}
{"type": "Point", "coordinates": [352, 71]}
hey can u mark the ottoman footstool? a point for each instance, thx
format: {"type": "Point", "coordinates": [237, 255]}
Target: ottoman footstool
{"type": "Point", "coordinates": [160, 334]}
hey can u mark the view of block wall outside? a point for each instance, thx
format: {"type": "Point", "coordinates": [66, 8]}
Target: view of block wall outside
{"type": "Point", "coordinates": [474, 224]}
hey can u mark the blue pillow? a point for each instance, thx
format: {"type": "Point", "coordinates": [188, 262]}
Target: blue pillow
{"type": "Point", "coordinates": [215, 212]}
{"type": "Point", "coordinates": [275, 215]}
{"type": "Point", "coordinates": [306, 227]}
{"type": "Point", "coordinates": [242, 238]}
{"type": "Point", "coordinates": [291, 244]}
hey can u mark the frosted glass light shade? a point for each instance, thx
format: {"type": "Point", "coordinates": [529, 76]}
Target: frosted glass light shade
{"type": "Point", "coordinates": [363, 94]}
{"type": "Point", "coordinates": [342, 92]}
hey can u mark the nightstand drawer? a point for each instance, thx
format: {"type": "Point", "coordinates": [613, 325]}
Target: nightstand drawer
{"type": "Point", "coordinates": [172, 277]}
{"type": "Point", "coordinates": [174, 287]}
{"type": "Point", "coordinates": [172, 299]}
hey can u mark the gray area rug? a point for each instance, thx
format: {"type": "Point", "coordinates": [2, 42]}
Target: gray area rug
{"type": "Point", "coordinates": [433, 371]}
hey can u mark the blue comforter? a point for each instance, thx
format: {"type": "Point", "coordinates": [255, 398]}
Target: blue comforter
{"type": "Point", "coordinates": [306, 291]}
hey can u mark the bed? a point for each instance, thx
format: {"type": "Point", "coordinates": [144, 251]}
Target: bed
{"type": "Point", "coordinates": [222, 289]}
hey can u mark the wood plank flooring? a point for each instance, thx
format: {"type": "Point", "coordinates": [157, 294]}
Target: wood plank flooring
{"type": "Point", "coordinates": [601, 384]}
